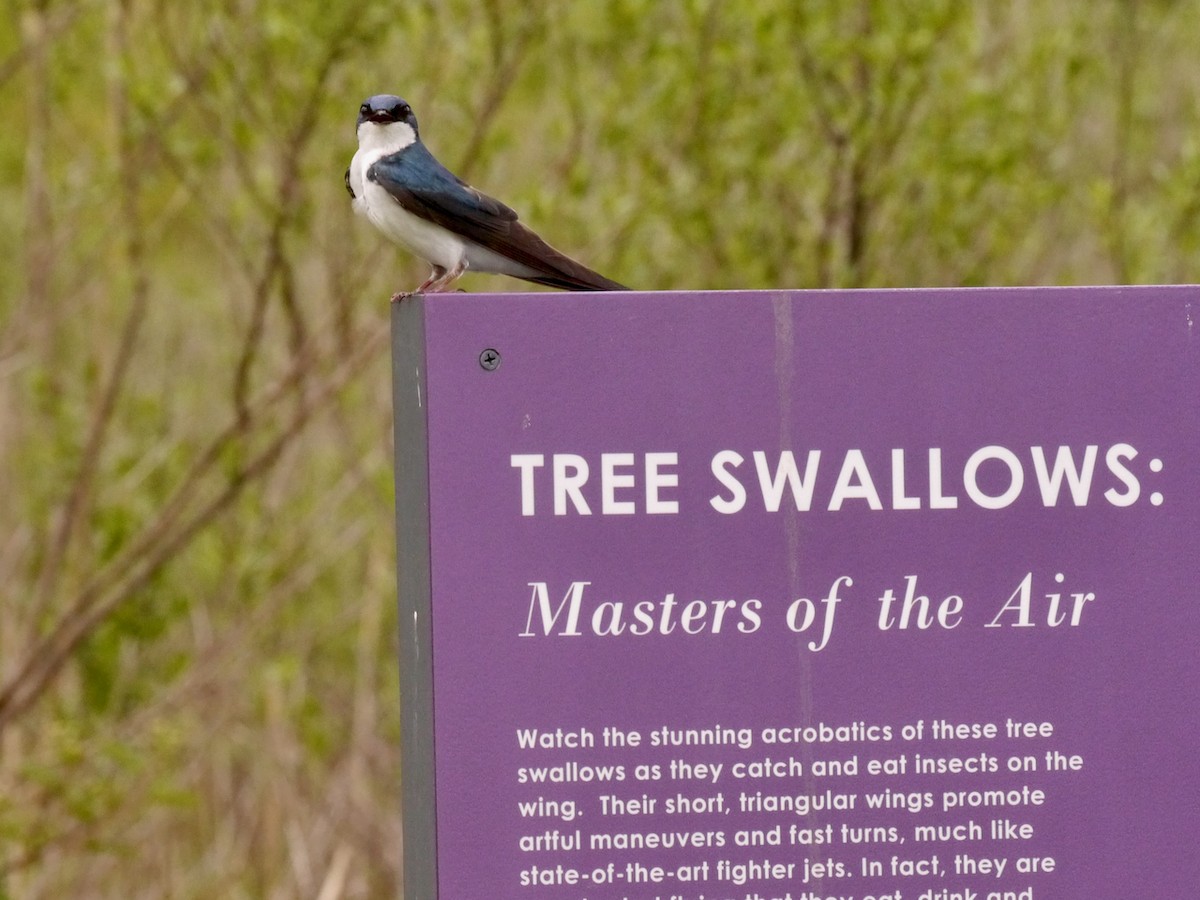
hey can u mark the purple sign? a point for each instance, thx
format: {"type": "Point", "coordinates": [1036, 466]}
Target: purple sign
{"type": "Point", "coordinates": [752, 596]}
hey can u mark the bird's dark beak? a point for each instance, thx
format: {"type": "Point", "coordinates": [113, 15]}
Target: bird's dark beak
{"type": "Point", "coordinates": [380, 116]}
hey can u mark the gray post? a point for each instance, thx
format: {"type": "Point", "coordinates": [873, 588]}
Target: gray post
{"type": "Point", "coordinates": [416, 634]}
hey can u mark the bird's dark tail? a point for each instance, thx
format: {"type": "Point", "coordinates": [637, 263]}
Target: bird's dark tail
{"type": "Point", "coordinates": [551, 266]}
{"type": "Point", "coordinates": [585, 280]}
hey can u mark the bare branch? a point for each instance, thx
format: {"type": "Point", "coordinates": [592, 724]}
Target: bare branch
{"type": "Point", "coordinates": [50, 27]}
{"type": "Point", "coordinates": [162, 541]}
{"type": "Point", "coordinates": [508, 53]}
{"type": "Point", "coordinates": [126, 152]}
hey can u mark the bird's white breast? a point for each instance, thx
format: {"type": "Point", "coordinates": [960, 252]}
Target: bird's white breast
{"type": "Point", "coordinates": [431, 242]}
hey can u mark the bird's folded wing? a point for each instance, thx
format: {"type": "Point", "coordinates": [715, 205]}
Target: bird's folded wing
{"type": "Point", "coordinates": [426, 188]}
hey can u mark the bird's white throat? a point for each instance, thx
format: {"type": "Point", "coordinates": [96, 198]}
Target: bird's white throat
{"type": "Point", "coordinates": [376, 140]}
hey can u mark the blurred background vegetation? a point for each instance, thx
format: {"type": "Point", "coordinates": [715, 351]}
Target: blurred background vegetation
{"type": "Point", "coordinates": [198, 688]}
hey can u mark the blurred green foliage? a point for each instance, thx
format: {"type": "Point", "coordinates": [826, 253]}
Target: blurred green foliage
{"type": "Point", "coordinates": [197, 659]}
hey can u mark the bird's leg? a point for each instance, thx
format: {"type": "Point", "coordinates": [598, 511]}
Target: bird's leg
{"type": "Point", "coordinates": [443, 278]}
{"type": "Point", "coordinates": [438, 282]}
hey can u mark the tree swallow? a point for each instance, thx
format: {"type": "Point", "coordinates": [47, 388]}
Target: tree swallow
{"type": "Point", "coordinates": [416, 201]}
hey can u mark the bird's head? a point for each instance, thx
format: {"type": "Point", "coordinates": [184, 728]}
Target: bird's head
{"type": "Point", "coordinates": [386, 120]}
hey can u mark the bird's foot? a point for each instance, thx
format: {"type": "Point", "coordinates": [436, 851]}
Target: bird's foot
{"type": "Point", "coordinates": [441, 280]}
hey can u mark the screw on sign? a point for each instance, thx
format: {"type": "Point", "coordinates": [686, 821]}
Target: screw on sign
{"type": "Point", "coordinates": [489, 359]}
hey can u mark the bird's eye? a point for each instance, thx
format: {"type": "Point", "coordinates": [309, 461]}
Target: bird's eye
{"type": "Point", "coordinates": [365, 109]}
{"type": "Point", "coordinates": [400, 111]}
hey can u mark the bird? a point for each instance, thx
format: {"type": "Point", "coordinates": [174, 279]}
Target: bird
{"type": "Point", "coordinates": [401, 188]}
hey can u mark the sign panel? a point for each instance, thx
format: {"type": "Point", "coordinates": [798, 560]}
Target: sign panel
{"type": "Point", "coordinates": [737, 596]}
